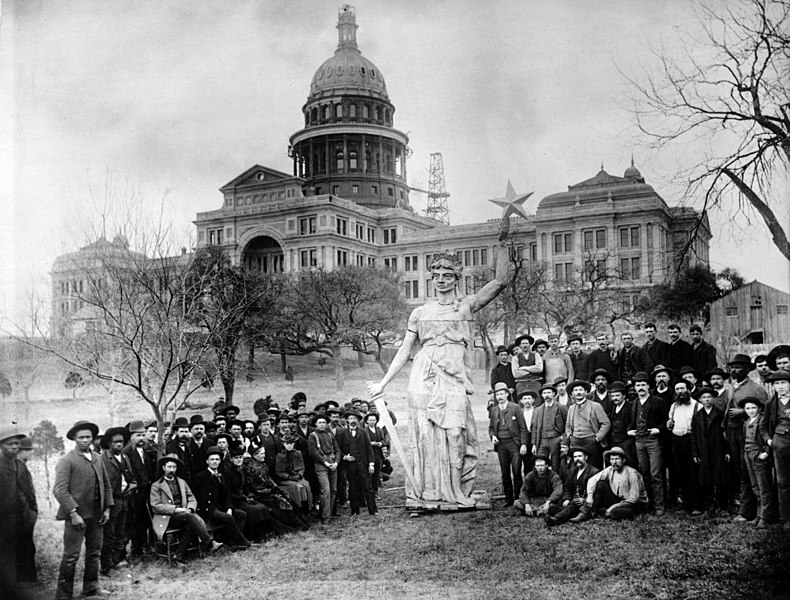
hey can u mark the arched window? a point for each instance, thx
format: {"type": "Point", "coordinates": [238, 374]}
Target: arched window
{"type": "Point", "coordinates": [352, 159]}
{"type": "Point", "coordinates": [327, 112]}
{"type": "Point", "coordinates": [339, 160]}
{"type": "Point", "coordinates": [378, 113]}
{"type": "Point", "coordinates": [365, 111]}
{"type": "Point", "coordinates": [368, 164]}
{"type": "Point", "coordinates": [388, 162]}
{"type": "Point", "coordinates": [339, 111]}
{"type": "Point", "coordinates": [314, 115]}
{"type": "Point", "coordinates": [352, 111]}
{"type": "Point", "coordinates": [387, 115]}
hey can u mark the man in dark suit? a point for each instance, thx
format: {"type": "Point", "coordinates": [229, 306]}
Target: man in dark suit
{"type": "Point", "coordinates": [548, 426]}
{"type": "Point", "coordinates": [179, 446]}
{"type": "Point", "coordinates": [214, 502]}
{"type": "Point", "coordinates": [704, 353]}
{"type": "Point", "coordinates": [604, 356]}
{"type": "Point", "coordinates": [574, 488]}
{"type": "Point", "coordinates": [579, 359]}
{"type": "Point", "coordinates": [143, 468]}
{"type": "Point", "coordinates": [83, 490]}
{"type": "Point", "coordinates": [648, 423]}
{"type": "Point", "coordinates": [508, 430]}
{"type": "Point", "coordinates": [123, 484]}
{"type": "Point", "coordinates": [631, 359]}
{"type": "Point", "coordinates": [360, 464]}
{"type": "Point", "coordinates": [657, 349]}
{"type": "Point", "coordinates": [10, 509]}
{"type": "Point", "coordinates": [680, 352]}
{"type": "Point", "coordinates": [503, 370]}
{"type": "Point", "coordinates": [198, 444]}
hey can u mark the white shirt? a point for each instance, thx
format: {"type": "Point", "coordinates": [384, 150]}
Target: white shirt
{"type": "Point", "coordinates": [682, 414]}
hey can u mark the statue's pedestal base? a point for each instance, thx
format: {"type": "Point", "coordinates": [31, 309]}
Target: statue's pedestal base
{"type": "Point", "coordinates": [417, 506]}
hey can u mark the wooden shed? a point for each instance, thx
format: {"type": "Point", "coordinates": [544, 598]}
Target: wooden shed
{"type": "Point", "coordinates": [755, 314]}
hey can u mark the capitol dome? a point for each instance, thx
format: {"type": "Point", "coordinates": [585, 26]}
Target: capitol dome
{"type": "Point", "coordinates": [347, 72]}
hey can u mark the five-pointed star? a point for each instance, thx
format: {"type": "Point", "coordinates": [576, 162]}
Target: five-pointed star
{"type": "Point", "coordinates": [511, 203]}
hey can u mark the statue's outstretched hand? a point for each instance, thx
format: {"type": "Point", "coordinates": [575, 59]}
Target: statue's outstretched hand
{"type": "Point", "coordinates": [375, 389]}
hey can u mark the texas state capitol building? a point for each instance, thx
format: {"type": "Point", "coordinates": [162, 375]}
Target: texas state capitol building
{"type": "Point", "coordinates": [347, 201]}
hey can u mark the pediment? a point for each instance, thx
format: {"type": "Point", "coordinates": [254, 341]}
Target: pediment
{"type": "Point", "coordinates": [258, 176]}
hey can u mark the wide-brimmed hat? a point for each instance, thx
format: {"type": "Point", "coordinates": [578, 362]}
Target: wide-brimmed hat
{"type": "Point", "coordinates": [170, 458]}
{"type": "Point", "coordinates": [274, 408]}
{"type": "Point", "coordinates": [661, 369]}
{"type": "Point", "coordinates": [80, 425]}
{"type": "Point", "coordinates": [220, 417]}
{"type": "Point", "coordinates": [500, 349]}
{"type": "Point", "coordinates": [577, 383]}
{"type": "Point", "coordinates": [561, 379]}
{"type": "Point", "coordinates": [12, 433]}
{"type": "Point", "coordinates": [779, 375]}
{"type": "Point", "coordinates": [539, 342]}
{"type": "Point", "coordinates": [264, 418]}
{"type": "Point", "coordinates": [523, 393]}
{"type": "Point", "coordinates": [716, 371]}
{"type": "Point", "coordinates": [319, 407]}
{"type": "Point", "coordinates": [614, 451]}
{"type": "Point", "coordinates": [353, 412]}
{"type": "Point", "coordinates": [603, 372]}
{"type": "Point", "coordinates": [226, 436]}
{"type": "Point", "coordinates": [196, 420]}
{"type": "Point", "coordinates": [527, 337]}
{"type": "Point", "coordinates": [573, 449]}
{"type": "Point", "coordinates": [137, 427]}
{"type": "Point", "coordinates": [575, 337]}
{"type": "Point", "coordinates": [331, 403]}
{"type": "Point", "coordinates": [113, 431]}
{"type": "Point", "coordinates": [239, 422]}
{"type": "Point", "coordinates": [180, 422]}
{"type": "Point", "coordinates": [333, 409]}
{"type": "Point", "coordinates": [231, 408]}
{"type": "Point", "coordinates": [742, 402]}
{"type": "Point", "coordinates": [373, 414]}
{"type": "Point", "coordinates": [686, 369]}
{"type": "Point", "coordinates": [548, 386]}
{"type": "Point", "coordinates": [742, 359]}
{"type": "Point", "coordinates": [500, 386]}
{"type": "Point", "coordinates": [775, 353]}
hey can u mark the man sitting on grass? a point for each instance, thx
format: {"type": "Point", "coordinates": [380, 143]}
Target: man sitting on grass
{"type": "Point", "coordinates": [575, 488]}
{"type": "Point", "coordinates": [542, 489]}
{"type": "Point", "coordinates": [618, 492]}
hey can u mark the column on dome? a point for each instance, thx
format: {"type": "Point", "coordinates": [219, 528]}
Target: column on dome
{"type": "Point", "coordinates": [327, 158]}
{"type": "Point", "coordinates": [364, 153]}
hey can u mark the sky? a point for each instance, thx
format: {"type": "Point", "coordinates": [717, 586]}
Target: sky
{"type": "Point", "coordinates": [172, 100]}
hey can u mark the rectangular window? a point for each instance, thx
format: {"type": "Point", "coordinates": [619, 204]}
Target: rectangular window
{"type": "Point", "coordinates": [411, 289]}
{"type": "Point", "coordinates": [588, 240]}
{"type": "Point", "coordinates": [563, 242]}
{"type": "Point", "coordinates": [557, 243]}
{"type": "Point", "coordinates": [390, 235]}
{"type": "Point", "coordinates": [410, 263]}
{"type": "Point", "coordinates": [629, 237]}
{"type": "Point", "coordinates": [484, 256]}
{"type": "Point", "coordinates": [600, 238]}
{"type": "Point", "coordinates": [374, 189]}
{"type": "Point", "coordinates": [781, 309]}
{"type": "Point", "coordinates": [390, 191]}
{"type": "Point", "coordinates": [468, 286]}
{"type": "Point", "coordinates": [336, 190]}
{"type": "Point", "coordinates": [636, 271]}
{"type": "Point", "coordinates": [559, 271]}
{"type": "Point", "coordinates": [215, 237]}
{"type": "Point", "coordinates": [635, 237]}
{"type": "Point", "coordinates": [371, 261]}
{"type": "Point", "coordinates": [568, 271]}
{"type": "Point", "coordinates": [307, 225]}
{"type": "Point", "coordinates": [307, 259]}
{"type": "Point", "coordinates": [731, 311]}
{"type": "Point", "coordinates": [428, 261]}
{"type": "Point", "coordinates": [360, 260]}
{"type": "Point", "coordinates": [354, 189]}
{"type": "Point", "coordinates": [391, 264]}
{"type": "Point", "coordinates": [467, 258]}
{"type": "Point", "coordinates": [342, 258]}
{"type": "Point", "coordinates": [475, 257]}
{"type": "Point", "coordinates": [372, 235]}
{"type": "Point", "coordinates": [533, 252]}
{"type": "Point", "coordinates": [360, 230]}
{"type": "Point", "coordinates": [342, 226]}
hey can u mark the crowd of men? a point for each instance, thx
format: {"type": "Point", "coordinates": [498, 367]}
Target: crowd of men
{"type": "Point", "coordinates": [617, 432]}
{"type": "Point", "coordinates": [224, 484]}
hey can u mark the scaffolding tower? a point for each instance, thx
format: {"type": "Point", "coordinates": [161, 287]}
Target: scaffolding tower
{"type": "Point", "coordinates": [437, 193]}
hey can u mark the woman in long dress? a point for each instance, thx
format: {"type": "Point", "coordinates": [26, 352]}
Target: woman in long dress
{"type": "Point", "coordinates": [441, 424]}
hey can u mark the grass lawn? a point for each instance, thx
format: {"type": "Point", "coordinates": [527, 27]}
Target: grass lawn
{"type": "Point", "coordinates": [485, 554]}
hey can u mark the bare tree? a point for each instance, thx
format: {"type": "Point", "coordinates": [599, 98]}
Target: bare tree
{"type": "Point", "coordinates": [727, 91]}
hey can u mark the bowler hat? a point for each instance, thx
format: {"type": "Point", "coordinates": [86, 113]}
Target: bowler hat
{"type": "Point", "coordinates": [640, 376]}
{"type": "Point", "coordinates": [263, 418]}
{"type": "Point", "coordinates": [573, 449]}
{"type": "Point", "coordinates": [707, 390]}
{"type": "Point", "coordinates": [26, 443]}
{"type": "Point", "coordinates": [603, 372]}
{"type": "Point", "coordinates": [113, 431]}
{"type": "Point", "coordinates": [532, 393]}
{"type": "Point", "coordinates": [274, 408]}
{"type": "Point", "coordinates": [180, 422]}
{"type": "Point", "coordinates": [527, 337]}
{"type": "Point", "coordinates": [776, 352]}
{"type": "Point", "coordinates": [196, 420]}
{"type": "Point", "coordinates": [500, 386]}
{"type": "Point", "coordinates": [614, 451]}
{"type": "Point", "coordinates": [617, 386]}
{"type": "Point", "coordinates": [742, 402]}
{"type": "Point", "coordinates": [332, 409]}
{"type": "Point", "coordinates": [686, 369]}
{"type": "Point", "coordinates": [500, 349]}
{"type": "Point", "coordinates": [226, 436]}
{"type": "Point", "coordinates": [780, 375]}
{"type": "Point", "coordinates": [235, 451]}
{"type": "Point", "coordinates": [716, 371]}
{"type": "Point", "coordinates": [561, 379]}
{"type": "Point", "coordinates": [80, 425]}
{"type": "Point", "coordinates": [235, 422]}
{"type": "Point", "coordinates": [220, 417]}
{"type": "Point", "coordinates": [548, 386]}
{"type": "Point", "coordinates": [137, 427]}
{"type": "Point", "coordinates": [353, 412]}
{"type": "Point", "coordinates": [578, 383]}
{"type": "Point", "coordinates": [170, 458]}
{"type": "Point", "coordinates": [302, 411]}
{"type": "Point", "coordinates": [12, 433]}
{"type": "Point", "coordinates": [319, 407]}
{"type": "Point", "coordinates": [575, 337]}
{"type": "Point", "coordinates": [373, 414]}
{"type": "Point", "coordinates": [331, 403]}
{"type": "Point", "coordinates": [213, 450]}
{"type": "Point", "coordinates": [542, 455]}
{"type": "Point", "coordinates": [742, 359]}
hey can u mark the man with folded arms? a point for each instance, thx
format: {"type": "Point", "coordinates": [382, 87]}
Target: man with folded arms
{"type": "Point", "coordinates": [587, 425]}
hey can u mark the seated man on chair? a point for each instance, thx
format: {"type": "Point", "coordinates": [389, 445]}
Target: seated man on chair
{"type": "Point", "coordinates": [173, 506]}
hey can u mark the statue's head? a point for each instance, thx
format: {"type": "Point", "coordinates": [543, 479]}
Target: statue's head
{"type": "Point", "coordinates": [446, 261]}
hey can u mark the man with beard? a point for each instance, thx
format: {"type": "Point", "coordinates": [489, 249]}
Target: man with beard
{"type": "Point", "coordinates": [657, 349]}
{"type": "Point", "coordinates": [198, 444]}
{"type": "Point", "coordinates": [579, 359]}
{"type": "Point", "coordinates": [542, 490]}
{"type": "Point", "coordinates": [692, 378]}
{"type": "Point", "coordinates": [680, 352]}
{"type": "Point", "coordinates": [662, 378]}
{"type": "Point", "coordinates": [704, 353]}
{"type": "Point", "coordinates": [739, 487]}
{"type": "Point", "coordinates": [681, 414]}
{"type": "Point", "coordinates": [631, 359]}
{"type": "Point", "coordinates": [214, 503]}
{"type": "Point", "coordinates": [179, 446]}
{"type": "Point", "coordinates": [617, 492]}
{"type": "Point", "coordinates": [357, 453]}
{"type": "Point", "coordinates": [142, 463]}
{"type": "Point", "coordinates": [527, 366]}
{"type": "Point", "coordinates": [600, 393]}
{"type": "Point", "coordinates": [717, 378]}
{"type": "Point", "coordinates": [502, 371]}
{"type": "Point", "coordinates": [119, 470]}
{"type": "Point", "coordinates": [604, 356]}
{"type": "Point", "coordinates": [574, 489]}
{"type": "Point", "coordinates": [249, 430]}
{"type": "Point", "coordinates": [556, 363]}
{"type": "Point", "coordinates": [648, 421]}
{"type": "Point", "coordinates": [587, 425]}
{"type": "Point", "coordinates": [548, 425]}
{"type": "Point", "coordinates": [508, 431]}
{"type": "Point", "coordinates": [710, 452]}
{"type": "Point", "coordinates": [775, 431]}
{"type": "Point", "coordinates": [620, 416]}
{"type": "Point", "coordinates": [662, 388]}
